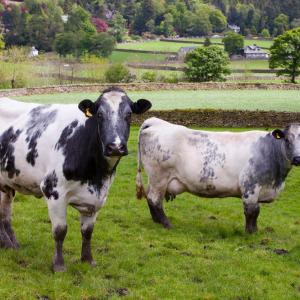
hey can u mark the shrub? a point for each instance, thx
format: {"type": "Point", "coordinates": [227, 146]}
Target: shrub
{"type": "Point", "coordinates": [207, 64]}
{"type": "Point", "coordinates": [149, 77]}
{"type": "Point", "coordinates": [117, 73]}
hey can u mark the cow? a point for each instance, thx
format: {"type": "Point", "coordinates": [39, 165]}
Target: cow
{"type": "Point", "coordinates": [67, 153]}
{"type": "Point", "coordinates": [251, 165]}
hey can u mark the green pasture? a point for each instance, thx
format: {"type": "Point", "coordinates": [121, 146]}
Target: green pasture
{"type": "Point", "coordinates": [258, 42]}
{"type": "Point", "coordinates": [277, 100]}
{"type": "Point", "coordinates": [155, 46]}
{"type": "Point", "coordinates": [207, 254]}
{"type": "Point", "coordinates": [126, 57]}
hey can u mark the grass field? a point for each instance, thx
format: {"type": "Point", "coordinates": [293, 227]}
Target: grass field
{"type": "Point", "coordinates": [155, 46]}
{"type": "Point", "coordinates": [261, 43]}
{"type": "Point", "coordinates": [174, 47]}
{"type": "Point", "coordinates": [277, 100]}
{"type": "Point", "coordinates": [126, 57]}
{"type": "Point", "coordinates": [206, 255]}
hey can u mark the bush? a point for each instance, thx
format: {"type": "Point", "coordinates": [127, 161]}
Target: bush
{"type": "Point", "coordinates": [149, 77]}
{"type": "Point", "coordinates": [117, 73]}
{"type": "Point", "coordinates": [207, 64]}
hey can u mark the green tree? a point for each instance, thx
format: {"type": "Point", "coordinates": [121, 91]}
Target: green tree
{"type": "Point", "coordinates": [265, 33]}
{"type": "Point", "coordinates": [217, 20]}
{"type": "Point", "coordinates": [207, 42]}
{"type": "Point", "coordinates": [199, 25]}
{"type": "Point", "coordinates": [285, 54]}
{"type": "Point", "coordinates": [281, 24]}
{"type": "Point", "coordinates": [233, 43]}
{"type": "Point", "coordinates": [118, 27]}
{"type": "Point", "coordinates": [80, 20]}
{"type": "Point", "coordinates": [81, 43]}
{"type": "Point", "coordinates": [207, 64]}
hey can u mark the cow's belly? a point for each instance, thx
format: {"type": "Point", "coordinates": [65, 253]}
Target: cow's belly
{"type": "Point", "coordinates": [86, 199]}
{"type": "Point", "coordinates": [210, 189]}
{"type": "Point", "coordinates": [26, 187]}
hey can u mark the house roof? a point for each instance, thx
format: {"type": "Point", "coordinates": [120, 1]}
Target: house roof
{"type": "Point", "coordinates": [251, 49]}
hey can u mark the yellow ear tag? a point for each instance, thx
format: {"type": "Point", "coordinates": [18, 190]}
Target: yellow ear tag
{"type": "Point", "coordinates": [88, 113]}
{"type": "Point", "coordinates": [278, 136]}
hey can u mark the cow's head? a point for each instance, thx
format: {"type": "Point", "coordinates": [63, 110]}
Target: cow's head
{"type": "Point", "coordinates": [291, 137]}
{"type": "Point", "coordinates": [113, 110]}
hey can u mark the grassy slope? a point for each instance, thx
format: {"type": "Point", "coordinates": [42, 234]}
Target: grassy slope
{"type": "Point", "coordinates": [206, 255]}
{"type": "Point", "coordinates": [279, 100]}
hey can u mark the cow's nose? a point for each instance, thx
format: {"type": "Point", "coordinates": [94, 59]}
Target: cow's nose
{"type": "Point", "coordinates": [113, 149]}
{"type": "Point", "coordinates": [296, 161]}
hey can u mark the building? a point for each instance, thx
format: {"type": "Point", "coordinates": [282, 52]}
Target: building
{"type": "Point", "coordinates": [183, 51]}
{"type": "Point", "coordinates": [235, 28]}
{"type": "Point", "coordinates": [33, 52]}
{"type": "Point", "coordinates": [254, 52]}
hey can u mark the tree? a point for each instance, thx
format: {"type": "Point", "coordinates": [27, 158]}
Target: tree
{"type": "Point", "coordinates": [100, 24]}
{"type": "Point", "coordinates": [118, 27]}
{"type": "Point", "coordinates": [265, 33]}
{"type": "Point", "coordinates": [281, 24]}
{"type": "Point", "coordinates": [200, 25]}
{"type": "Point", "coordinates": [233, 43]}
{"type": "Point", "coordinates": [78, 44]}
{"type": "Point", "coordinates": [285, 54]}
{"type": "Point", "coordinates": [207, 42]}
{"type": "Point", "coordinates": [80, 20]}
{"type": "Point", "coordinates": [43, 23]}
{"type": "Point", "coordinates": [217, 20]}
{"type": "Point", "coordinates": [207, 64]}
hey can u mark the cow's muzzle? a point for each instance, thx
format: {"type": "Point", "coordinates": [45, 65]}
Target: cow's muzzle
{"type": "Point", "coordinates": [113, 149]}
{"type": "Point", "coordinates": [296, 161]}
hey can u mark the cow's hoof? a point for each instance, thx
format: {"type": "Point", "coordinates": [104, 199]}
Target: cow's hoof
{"type": "Point", "coordinates": [167, 225]}
{"type": "Point", "coordinates": [59, 268]}
{"type": "Point", "coordinates": [251, 230]}
{"type": "Point", "coordinates": [90, 262]}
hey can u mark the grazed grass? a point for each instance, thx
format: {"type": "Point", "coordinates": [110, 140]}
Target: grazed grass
{"type": "Point", "coordinates": [206, 255]}
{"type": "Point", "coordinates": [277, 100]}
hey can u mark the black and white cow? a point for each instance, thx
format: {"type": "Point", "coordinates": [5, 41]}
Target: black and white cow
{"type": "Point", "coordinates": [66, 154]}
{"type": "Point", "coordinates": [251, 165]}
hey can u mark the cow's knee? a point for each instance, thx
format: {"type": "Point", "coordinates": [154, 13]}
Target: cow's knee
{"type": "Point", "coordinates": [251, 211]}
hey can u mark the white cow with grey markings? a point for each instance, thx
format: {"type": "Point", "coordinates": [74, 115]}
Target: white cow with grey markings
{"type": "Point", "coordinates": [66, 153]}
{"type": "Point", "coordinates": [251, 165]}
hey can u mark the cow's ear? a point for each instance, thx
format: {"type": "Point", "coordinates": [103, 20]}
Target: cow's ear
{"type": "Point", "coordinates": [88, 107]}
{"type": "Point", "coordinates": [278, 134]}
{"type": "Point", "coordinates": [140, 106]}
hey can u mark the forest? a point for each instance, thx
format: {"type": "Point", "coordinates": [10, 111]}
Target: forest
{"type": "Point", "coordinates": [40, 22]}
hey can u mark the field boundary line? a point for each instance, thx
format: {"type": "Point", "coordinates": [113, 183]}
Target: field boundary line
{"type": "Point", "coordinates": [147, 86]}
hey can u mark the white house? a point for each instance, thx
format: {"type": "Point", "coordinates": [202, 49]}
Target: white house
{"type": "Point", "coordinates": [234, 27]}
{"type": "Point", "coordinates": [254, 52]}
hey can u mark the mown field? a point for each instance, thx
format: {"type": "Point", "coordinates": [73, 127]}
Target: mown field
{"type": "Point", "coordinates": [277, 100]}
{"type": "Point", "coordinates": [175, 46]}
{"type": "Point", "coordinates": [206, 255]}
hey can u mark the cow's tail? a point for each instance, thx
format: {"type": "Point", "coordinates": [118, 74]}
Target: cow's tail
{"type": "Point", "coordinates": [140, 190]}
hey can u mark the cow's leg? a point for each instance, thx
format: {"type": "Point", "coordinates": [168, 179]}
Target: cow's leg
{"type": "Point", "coordinates": [87, 227]}
{"type": "Point", "coordinates": [251, 211]}
{"type": "Point", "coordinates": [7, 235]}
{"type": "Point", "coordinates": [57, 213]}
{"type": "Point", "coordinates": [155, 203]}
